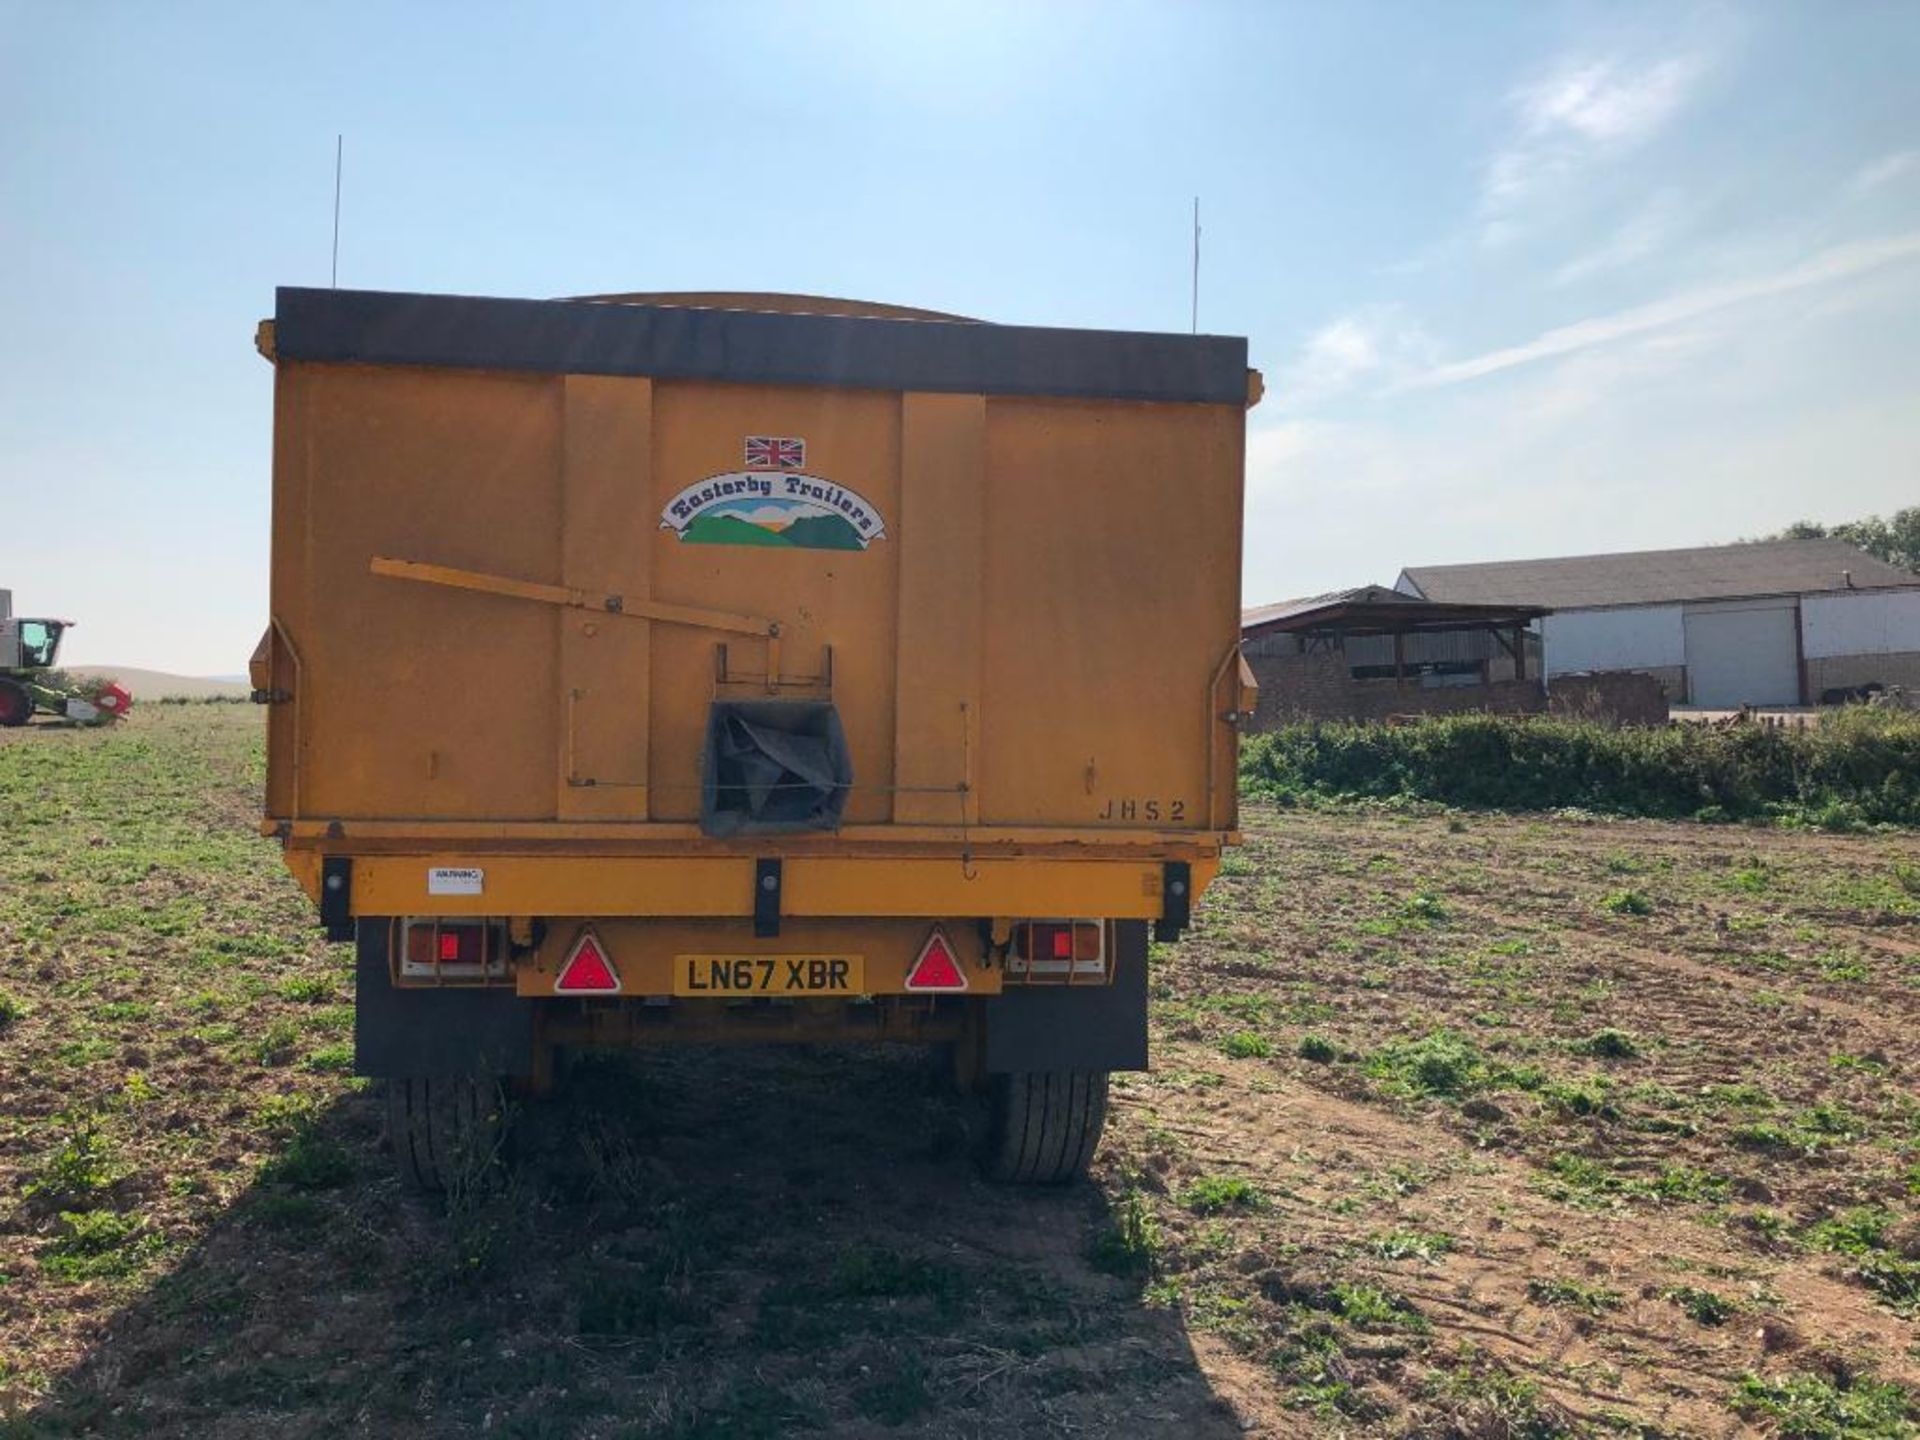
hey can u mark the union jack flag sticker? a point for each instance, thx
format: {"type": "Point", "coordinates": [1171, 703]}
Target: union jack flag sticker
{"type": "Point", "coordinates": [775, 452]}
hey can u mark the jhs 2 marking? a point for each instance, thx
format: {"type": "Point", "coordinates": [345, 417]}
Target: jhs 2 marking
{"type": "Point", "coordinates": [1152, 811]}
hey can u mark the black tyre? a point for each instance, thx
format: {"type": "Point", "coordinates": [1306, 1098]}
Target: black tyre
{"type": "Point", "coordinates": [16, 705]}
{"type": "Point", "coordinates": [446, 1131]}
{"type": "Point", "coordinates": [1043, 1125]}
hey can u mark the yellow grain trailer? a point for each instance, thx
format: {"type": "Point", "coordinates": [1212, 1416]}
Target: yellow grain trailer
{"type": "Point", "coordinates": [749, 668]}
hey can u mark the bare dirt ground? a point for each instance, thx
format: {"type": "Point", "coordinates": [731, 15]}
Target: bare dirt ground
{"type": "Point", "coordinates": [1459, 1125]}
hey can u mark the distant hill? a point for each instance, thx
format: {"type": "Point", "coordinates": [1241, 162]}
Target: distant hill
{"type": "Point", "coordinates": [158, 685]}
{"type": "Point", "coordinates": [730, 530]}
{"type": "Point", "coordinates": [809, 532]}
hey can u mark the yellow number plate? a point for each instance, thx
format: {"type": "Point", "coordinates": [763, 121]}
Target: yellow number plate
{"type": "Point", "coordinates": [732, 975]}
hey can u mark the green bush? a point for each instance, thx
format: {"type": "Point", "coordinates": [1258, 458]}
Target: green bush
{"type": "Point", "coordinates": [1860, 767]}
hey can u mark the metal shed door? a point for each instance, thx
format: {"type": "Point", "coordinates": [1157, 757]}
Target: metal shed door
{"type": "Point", "coordinates": [1743, 654]}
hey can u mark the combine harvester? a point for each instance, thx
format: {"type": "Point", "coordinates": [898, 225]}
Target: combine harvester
{"type": "Point", "coordinates": [29, 682]}
{"type": "Point", "coordinates": [745, 669]}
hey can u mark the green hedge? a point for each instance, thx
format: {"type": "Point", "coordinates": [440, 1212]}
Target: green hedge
{"type": "Point", "coordinates": [1859, 767]}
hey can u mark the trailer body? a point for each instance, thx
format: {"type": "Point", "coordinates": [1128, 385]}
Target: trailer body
{"type": "Point", "coordinates": [711, 634]}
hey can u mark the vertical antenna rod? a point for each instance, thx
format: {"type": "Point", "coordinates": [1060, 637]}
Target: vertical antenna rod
{"type": "Point", "coordinates": [340, 144]}
{"type": "Point", "coordinates": [1196, 265]}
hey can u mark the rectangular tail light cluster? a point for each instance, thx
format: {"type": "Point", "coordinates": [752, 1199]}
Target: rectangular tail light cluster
{"type": "Point", "coordinates": [1059, 950]}
{"type": "Point", "coordinates": [462, 951]}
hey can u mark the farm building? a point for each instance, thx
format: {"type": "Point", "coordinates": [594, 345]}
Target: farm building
{"type": "Point", "coordinates": [1366, 653]}
{"type": "Point", "coordinates": [1775, 622]}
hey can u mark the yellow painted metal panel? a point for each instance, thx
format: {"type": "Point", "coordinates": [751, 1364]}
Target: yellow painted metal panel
{"type": "Point", "coordinates": [415, 700]}
{"type": "Point", "coordinates": [1065, 570]}
{"type": "Point", "coordinates": [942, 535]}
{"type": "Point", "coordinates": [1111, 600]}
{"type": "Point", "coordinates": [605, 662]}
{"type": "Point", "coordinates": [839, 598]}
{"type": "Point", "coordinates": [630, 885]}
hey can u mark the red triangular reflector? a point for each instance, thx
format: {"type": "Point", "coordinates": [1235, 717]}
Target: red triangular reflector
{"type": "Point", "coordinates": [936, 969]}
{"type": "Point", "coordinates": [588, 970]}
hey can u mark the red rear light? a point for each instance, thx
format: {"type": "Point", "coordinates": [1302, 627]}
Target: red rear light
{"type": "Point", "coordinates": [587, 970]}
{"type": "Point", "coordinates": [460, 948]}
{"type": "Point", "coordinates": [1062, 940]}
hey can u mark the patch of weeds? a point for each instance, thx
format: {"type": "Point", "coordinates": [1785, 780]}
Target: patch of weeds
{"type": "Point", "coordinates": [1216, 1194]}
{"type": "Point", "coordinates": [1246, 1045]}
{"type": "Point", "coordinates": [310, 1162]}
{"type": "Point", "coordinates": [1843, 969]}
{"type": "Point", "coordinates": [1807, 1132]}
{"type": "Point", "coordinates": [1752, 879]}
{"type": "Point", "coordinates": [1703, 1307]}
{"type": "Point", "coordinates": [1626, 902]}
{"type": "Point", "coordinates": [1410, 1245]}
{"type": "Point", "coordinates": [1129, 1243]}
{"type": "Point", "coordinates": [1425, 908]}
{"type": "Point", "coordinates": [1590, 1096]}
{"type": "Point", "coordinates": [1318, 1049]}
{"type": "Point", "coordinates": [1480, 1398]}
{"type": "Point", "coordinates": [1690, 1186]}
{"type": "Point", "coordinates": [1368, 1307]}
{"type": "Point", "coordinates": [1864, 1063]}
{"type": "Point", "coordinates": [334, 1059]}
{"type": "Point", "coordinates": [76, 1170]}
{"type": "Point", "coordinates": [1861, 1235]}
{"type": "Point", "coordinates": [1609, 1044]}
{"type": "Point", "coordinates": [99, 1244]}
{"type": "Point", "coordinates": [1573, 1295]}
{"type": "Point", "coordinates": [307, 989]}
{"type": "Point", "coordinates": [1814, 1407]}
{"type": "Point", "coordinates": [1440, 1064]}
{"type": "Point", "coordinates": [11, 1009]}
{"type": "Point", "coordinates": [277, 1045]}
{"type": "Point", "coordinates": [866, 1272]}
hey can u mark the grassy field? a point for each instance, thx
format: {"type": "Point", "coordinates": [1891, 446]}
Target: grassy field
{"type": "Point", "coordinates": [1460, 1125]}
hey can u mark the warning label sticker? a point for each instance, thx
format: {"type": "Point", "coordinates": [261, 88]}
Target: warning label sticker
{"type": "Point", "coordinates": [456, 880]}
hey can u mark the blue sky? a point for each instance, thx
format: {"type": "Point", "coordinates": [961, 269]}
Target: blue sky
{"type": "Point", "coordinates": [1524, 279]}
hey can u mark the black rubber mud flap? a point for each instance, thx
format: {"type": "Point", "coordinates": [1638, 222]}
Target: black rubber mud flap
{"type": "Point", "coordinates": [1033, 1028]}
{"type": "Point", "coordinates": [443, 1031]}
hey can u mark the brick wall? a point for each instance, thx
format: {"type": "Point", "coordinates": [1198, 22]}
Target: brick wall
{"type": "Point", "coordinates": [1320, 687]}
{"type": "Point", "coordinates": [1623, 697]}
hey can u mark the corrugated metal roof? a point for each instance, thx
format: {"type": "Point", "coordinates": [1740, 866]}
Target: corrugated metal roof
{"type": "Point", "coordinates": [1649, 577]}
{"type": "Point", "coordinates": [1287, 609]}
{"type": "Point", "coordinates": [1376, 609]}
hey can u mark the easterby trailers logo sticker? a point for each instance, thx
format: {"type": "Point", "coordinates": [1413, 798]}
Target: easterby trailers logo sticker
{"type": "Point", "coordinates": [773, 502]}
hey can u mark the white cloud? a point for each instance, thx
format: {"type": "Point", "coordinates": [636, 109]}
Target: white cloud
{"type": "Point", "coordinates": [1579, 113]}
{"type": "Point", "coordinates": [1375, 342]}
{"type": "Point", "coordinates": [1643, 235]}
{"type": "Point", "coordinates": [1886, 169]}
{"type": "Point", "coordinates": [1602, 102]}
{"type": "Point", "coordinates": [1841, 262]}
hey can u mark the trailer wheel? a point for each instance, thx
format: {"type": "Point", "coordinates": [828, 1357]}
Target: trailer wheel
{"type": "Point", "coordinates": [16, 705]}
{"type": "Point", "coordinates": [446, 1131]}
{"type": "Point", "coordinates": [1043, 1125]}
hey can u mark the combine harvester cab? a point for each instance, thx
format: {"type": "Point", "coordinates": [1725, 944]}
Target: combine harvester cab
{"type": "Point", "coordinates": [29, 647]}
{"type": "Point", "coordinates": [746, 669]}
